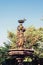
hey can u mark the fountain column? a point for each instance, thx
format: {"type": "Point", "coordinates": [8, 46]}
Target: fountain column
{"type": "Point", "coordinates": [20, 39]}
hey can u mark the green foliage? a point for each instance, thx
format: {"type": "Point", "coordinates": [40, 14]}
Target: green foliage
{"type": "Point", "coordinates": [3, 52]}
{"type": "Point", "coordinates": [34, 39]}
{"type": "Point", "coordinates": [27, 59]}
{"type": "Point", "coordinates": [13, 38]}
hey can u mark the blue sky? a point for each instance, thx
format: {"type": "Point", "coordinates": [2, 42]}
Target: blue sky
{"type": "Point", "coordinates": [13, 10]}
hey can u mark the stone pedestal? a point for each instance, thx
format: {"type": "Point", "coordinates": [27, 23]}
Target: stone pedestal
{"type": "Point", "coordinates": [20, 54]}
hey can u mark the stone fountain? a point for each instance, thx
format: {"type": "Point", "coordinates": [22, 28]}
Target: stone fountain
{"type": "Point", "coordinates": [21, 52]}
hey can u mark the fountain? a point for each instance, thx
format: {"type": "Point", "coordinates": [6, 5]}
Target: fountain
{"type": "Point", "coordinates": [21, 52]}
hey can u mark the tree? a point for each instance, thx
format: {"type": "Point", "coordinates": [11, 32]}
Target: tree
{"type": "Point", "coordinates": [13, 38]}
{"type": "Point", "coordinates": [34, 39]}
{"type": "Point", "coordinates": [4, 52]}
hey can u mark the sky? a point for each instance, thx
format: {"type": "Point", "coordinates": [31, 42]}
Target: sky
{"type": "Point", "coordinates": [13, 10]}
